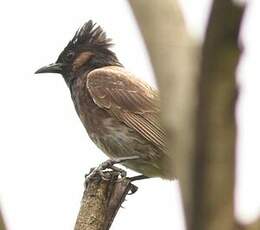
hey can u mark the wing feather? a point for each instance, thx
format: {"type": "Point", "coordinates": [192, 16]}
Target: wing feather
{"type": "Point", "coordinates": [130, 100]}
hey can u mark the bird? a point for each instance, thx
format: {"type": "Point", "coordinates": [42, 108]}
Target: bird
{"type": "Point", "coordinates": [120, 112]}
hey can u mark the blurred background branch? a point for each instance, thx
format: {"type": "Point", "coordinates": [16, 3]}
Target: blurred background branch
{"type": "Point", "coordinates": [2, 224]}
{"type": "Point", "coordinates": [214, 171]}
{"type": "Point", "coordinates": [202, 139]}
{"type": "Point", "coordinates": [175, 59]}
{"type": "Point", "coordinates": [253, 226]}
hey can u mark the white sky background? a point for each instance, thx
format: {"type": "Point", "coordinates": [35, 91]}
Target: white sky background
{"type": "Point", "coordinates": [44, 148]}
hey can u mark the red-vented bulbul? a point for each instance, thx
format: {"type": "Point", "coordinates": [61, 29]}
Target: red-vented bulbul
{"type": "Point", "coordinates": [120, 112]}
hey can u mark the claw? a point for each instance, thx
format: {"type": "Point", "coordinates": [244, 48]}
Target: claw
{"type": "Point", "coordinates": [101, 170]}
{"type": "Point", "coordinates": [90, 171]}
{"type": "Point", "coordinates": [139, 177]}
{"type": "Point", "coordinates": [133, 190]}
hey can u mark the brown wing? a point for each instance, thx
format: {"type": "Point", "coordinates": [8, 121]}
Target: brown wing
{"type": "Point", "coordinates": [132, 101]}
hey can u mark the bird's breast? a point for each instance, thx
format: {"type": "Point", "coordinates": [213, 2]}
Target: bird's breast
{"type": "Point", "coordinates": [105, 130]}
{"type": "Point", "coordinates": [113, 137]}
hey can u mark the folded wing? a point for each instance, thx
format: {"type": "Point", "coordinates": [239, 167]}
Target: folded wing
{"type": "Point", "coordinates": [128, 99]}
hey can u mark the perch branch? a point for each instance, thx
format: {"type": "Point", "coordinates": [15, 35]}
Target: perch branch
{"type": "Point", "coordinates": [101, 201]}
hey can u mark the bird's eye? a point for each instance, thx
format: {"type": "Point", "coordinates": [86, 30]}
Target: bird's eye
{"type": "Point", "coordinates": [70, 55]}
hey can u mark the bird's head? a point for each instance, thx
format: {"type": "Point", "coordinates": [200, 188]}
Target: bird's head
{"type": "Point", "coordinates": [89, 49]}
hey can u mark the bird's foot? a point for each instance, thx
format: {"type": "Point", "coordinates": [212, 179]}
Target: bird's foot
{"type": "Point", "coordinates": [105, 168]}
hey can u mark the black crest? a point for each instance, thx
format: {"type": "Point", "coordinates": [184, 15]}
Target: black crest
{"type": "Point", "coordinates": [91, 34]}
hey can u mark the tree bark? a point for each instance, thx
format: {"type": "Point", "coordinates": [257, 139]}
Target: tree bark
{"type": "Point", "coordinates": [175, 59]}
{"type": "Point", "coordinates": [214, 161]}
{"type": "Point", "coordinates": [2, 224]}
{"type": "Point", "coordinates": [101, 201]}
{"type": "Point", "coordinates": [253, 226]}
{"type": "Point", "coordinates": [203, 138]}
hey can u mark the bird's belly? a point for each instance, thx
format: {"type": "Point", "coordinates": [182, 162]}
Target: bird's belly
{"type": "Point", "coordinates": [118, 140]}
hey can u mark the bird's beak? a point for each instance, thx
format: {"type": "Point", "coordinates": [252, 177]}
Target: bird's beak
{"type": "Point", "coordinates": [52, 68]}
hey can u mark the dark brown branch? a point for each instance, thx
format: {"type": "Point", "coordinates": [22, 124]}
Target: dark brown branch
{"type": "Point", "coordinates": [101, 201]}
{"type": "Point", "coordinates": [2, 224]}
{"type": "Point", "coordinates": [214, 169]}
{"type": "Point", "coordinates": [253, 226]}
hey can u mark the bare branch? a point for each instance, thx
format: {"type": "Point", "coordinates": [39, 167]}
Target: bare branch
{"type": "Point", "coordinates": [175, 59]}
{"type": "Point", "coordinates": [2, 224]}
{"type": "Point", "coordinates": [216, 127]}
{"type": "Point", "coordinates": [253, 226]}
{"type": "Point", "coordinates": [101, 201]}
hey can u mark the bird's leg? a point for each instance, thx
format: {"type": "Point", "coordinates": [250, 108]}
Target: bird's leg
{"type": "Point", "coordinates": [119, 160]}
{"type": "Point", "coordinates": [135, 178]}
{"type": "Point", "coordinates": [139, 177]}
{"type": "Point", "coordinates": [109, 164]}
